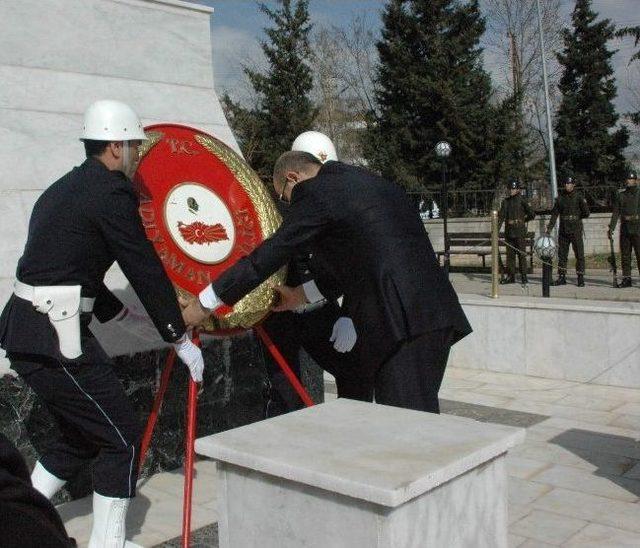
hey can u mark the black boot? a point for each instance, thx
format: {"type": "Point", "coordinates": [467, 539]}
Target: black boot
{"type": "Point", "coordinates": [580, 280]}
{"type": "Point", "coordinates": [508, 279]}
{"type": "Point", "coordinates": [562, 280]}
{"type": "Point", "coordinates": [523, 279]}
{"type": "Point", "coordinates": [626, 282]}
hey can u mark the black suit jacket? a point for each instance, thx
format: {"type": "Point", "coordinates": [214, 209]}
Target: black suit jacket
{"type": "Point", "coordinates": [367, 235]}
{"type": "Point", "coordinates": [79, 226]}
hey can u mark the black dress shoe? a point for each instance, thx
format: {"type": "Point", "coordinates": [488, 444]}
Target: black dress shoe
{"type": "Point", "coordinates": [508, 280]}
{"type": "Point", "coordinates": [580, 280]}
{"type": "Point", "coordinates": [562, 280]}
{"type": "Point", "coordinates": [626, 282]}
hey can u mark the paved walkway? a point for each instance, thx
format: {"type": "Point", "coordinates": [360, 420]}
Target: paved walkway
{"type": "Point", "coordinates": [574, 482]}
{"type": "Point", "coordinates": [598, 286]}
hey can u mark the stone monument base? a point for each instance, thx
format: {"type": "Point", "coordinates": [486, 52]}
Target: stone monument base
{"type": "Point", "coordinates": [351, 474]}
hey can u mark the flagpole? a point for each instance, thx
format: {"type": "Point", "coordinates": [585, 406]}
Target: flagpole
{"type": "Point", "coordinates": [552, 154]}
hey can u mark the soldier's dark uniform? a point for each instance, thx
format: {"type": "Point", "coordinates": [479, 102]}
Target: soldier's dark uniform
{"type": "Point", "coordinates": [571, 207]}
{"type": "Point", "coordinates": [79, 226]}
{"type": "Point", "coordinates": [515, 212]}
{"type": "Point", "coordinates": [309, 331]}
{"type": "Point", "coordinates": [627, 209]}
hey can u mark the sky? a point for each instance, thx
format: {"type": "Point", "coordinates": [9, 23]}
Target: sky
{"type": "Point", "coordinates": [236, 30]}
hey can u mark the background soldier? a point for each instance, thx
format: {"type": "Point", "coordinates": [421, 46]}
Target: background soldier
{"type": "Point", "coordinates": [515, 212]}
{"type": "Point", "coordinates": [571, 206]}
{"type": "Point", "coordinates": [627, 207]}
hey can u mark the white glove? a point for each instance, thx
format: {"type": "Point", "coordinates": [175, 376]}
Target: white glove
{"type": "Point", "coordinates": [138, 324]}
{"type": "Point", "coordinates": [191, 355]}
{"type": "Point", "coordinates": [343, 335]}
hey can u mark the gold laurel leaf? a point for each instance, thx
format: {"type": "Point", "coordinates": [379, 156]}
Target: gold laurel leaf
{"type": "Point", "coordinates": [252, 308]}
{"type": "Point", "coordinates": [153, 138]}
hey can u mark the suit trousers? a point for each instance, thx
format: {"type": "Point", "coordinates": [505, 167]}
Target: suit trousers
{"type": "Point", "coordinates": [516, 246]}
{"type": "Point", "coordinates": [94, 416]}
{"type": "Point", "coordinates": [574, 240]}
{"type": "Point", "coordinates": [627, 243]}
{"type": "Point", "coordinates": [411, 378]}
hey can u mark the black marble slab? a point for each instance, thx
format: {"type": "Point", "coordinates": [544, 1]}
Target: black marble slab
{"type": "Point", "coordinates": [233, 395]}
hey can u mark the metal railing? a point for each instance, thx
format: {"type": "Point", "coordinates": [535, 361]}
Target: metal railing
{"type": "Point", "coordinates": [481, 202]}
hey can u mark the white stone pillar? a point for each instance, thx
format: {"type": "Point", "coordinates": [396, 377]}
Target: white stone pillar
{"type": "Point", "coordinates": [353, 474]}
{"type": "Point", "coordinates": [57, 57]}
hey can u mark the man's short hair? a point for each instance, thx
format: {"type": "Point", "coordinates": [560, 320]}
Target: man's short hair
{"type": "Point", "coordinates": [94, 148]}
{"type": "Point", "coordinates": [293, 160]}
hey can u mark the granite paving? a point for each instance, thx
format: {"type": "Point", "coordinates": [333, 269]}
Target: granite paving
{"type": "Point", "coordinates": [574, 482]}
{"type": "Point", "coordinates": [598, 286]}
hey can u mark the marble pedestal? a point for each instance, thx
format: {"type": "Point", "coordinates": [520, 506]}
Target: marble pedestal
{"type": "Point", "coordinates": [353, 474]}
{"type": "Point", "coordinates": [602, 346]}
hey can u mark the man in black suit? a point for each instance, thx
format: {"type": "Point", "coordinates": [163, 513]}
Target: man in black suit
{"type": "Point", "coordinates": [79, 226]}
{"type": "Point", "coordinates": [321, 328]}
{"type": "Point", "coordinates": [367, 232]}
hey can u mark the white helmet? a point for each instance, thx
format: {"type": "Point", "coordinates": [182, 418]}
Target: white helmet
{"type": "Point", "coordinates": [315, 143]}
{"type": "Point", "coordinates": [112, 121]}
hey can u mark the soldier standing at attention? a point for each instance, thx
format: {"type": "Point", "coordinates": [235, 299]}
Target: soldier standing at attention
{"type": "Point", "coordinates": [627, 207]}
{"type": "Point", "coordinates": [515, 212]}
{"type": "Point", "coordinates": [571, 207]}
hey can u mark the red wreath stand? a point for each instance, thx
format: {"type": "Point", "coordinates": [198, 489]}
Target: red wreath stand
{"type": "Point", "coordinates": [191, 416]}
{"type": "Point", "coordinates": [198, 208]}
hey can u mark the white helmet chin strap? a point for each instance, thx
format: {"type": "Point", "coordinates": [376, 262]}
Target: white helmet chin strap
{"type": "Point", "coordinates": [130, 159]}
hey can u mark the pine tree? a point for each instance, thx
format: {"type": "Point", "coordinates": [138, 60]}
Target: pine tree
{"type": "Point", "coordinates": [283, 108]}
{"type": "Point", "coordinates": [588, 143]}
{"type": "Point", "coordinates": [635, 33]}
{"type": "Point", "coordinates": [430, 87]}
{"type": "Point", "coordinates": [508, 143]}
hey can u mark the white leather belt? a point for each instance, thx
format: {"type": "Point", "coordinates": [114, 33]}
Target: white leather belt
{"type": "Point", "coordinates": [26, 292]}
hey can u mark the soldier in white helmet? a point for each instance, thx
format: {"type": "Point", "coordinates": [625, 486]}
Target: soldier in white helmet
{"type": "Point", "coordinates": [79, 226]}
{"type": "Point", "coordinates": [321, 328]}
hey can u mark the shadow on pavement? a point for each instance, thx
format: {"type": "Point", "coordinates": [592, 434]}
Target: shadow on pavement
{"type": "Point", "coordinates": [612, 455]}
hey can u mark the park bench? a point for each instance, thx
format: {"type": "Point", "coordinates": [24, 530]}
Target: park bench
{"type": "Point", "coordinates": [479, 244]}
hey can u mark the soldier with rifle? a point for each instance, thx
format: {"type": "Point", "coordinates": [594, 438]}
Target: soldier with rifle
{"type": "Point", "coordinates": [515, 212]}
{"type": "Point", "coordinates": [571, 207]}
{"type": "Point", "coordinates": [627, 209]}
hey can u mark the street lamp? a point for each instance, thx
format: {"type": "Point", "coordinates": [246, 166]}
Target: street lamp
{"type": "Point", "coordinates": [443, 151]}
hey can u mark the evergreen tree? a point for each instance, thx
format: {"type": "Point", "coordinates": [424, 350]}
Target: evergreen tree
{"type": "Point", "coordinates": [588, 143]}
{"type": "Point", "coordinates": [283, 108]}
{"type": "Point", "coordinates": [508, 144]}
{"type": "Point", "coordinates": [430, 87]}
{"type": "Point", "coordinates": [635, 33]}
